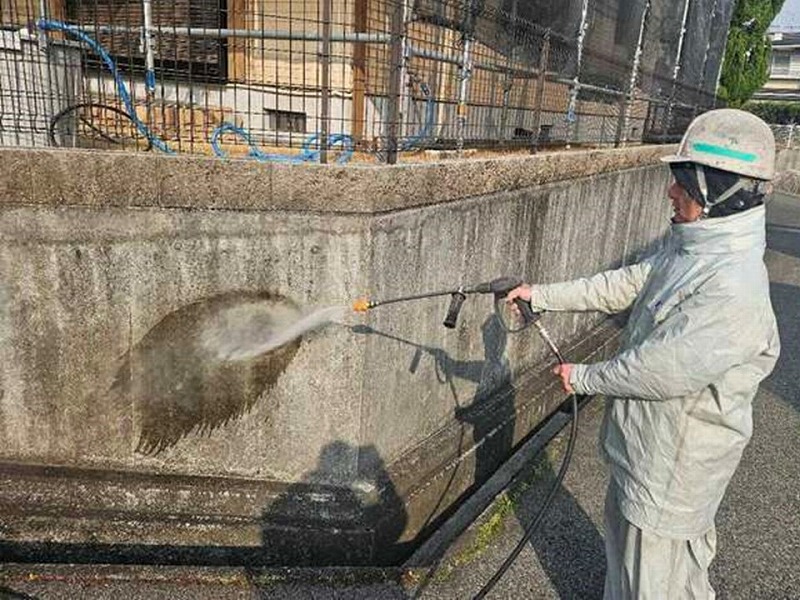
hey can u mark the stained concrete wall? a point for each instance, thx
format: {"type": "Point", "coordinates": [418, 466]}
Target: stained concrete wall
{"type": "Point", "coordinates": [123, 439]}
{"type": "Point", "coordinates": [788, 160]}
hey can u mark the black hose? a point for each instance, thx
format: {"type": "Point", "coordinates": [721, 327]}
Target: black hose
{"type": "Point", "coordinates": [556, 484]}
{"type": "Point", "coordinates": [542, 511]}
{"type": "Point", "coordinates": [75, 108]}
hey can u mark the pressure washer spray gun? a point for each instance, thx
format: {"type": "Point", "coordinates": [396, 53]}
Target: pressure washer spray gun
{"type": "Point", "coordinates": [526, 317]}
{"type": "Point", "coordinates": [500, 287]}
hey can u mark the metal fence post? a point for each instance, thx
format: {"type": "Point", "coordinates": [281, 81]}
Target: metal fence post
{"type": "Point", "coordinates": [149, 60]}
{"type": "Point", "coordinates": [42, 34]}
{"type": "Point", "coordinates": [325, 58]}
{"type": "Point", "coordinates": [358, 116]}
{"type": "Point", "coordinates": [395, 82]}
{"type": "Point", "coordinates": [464, 76]}
{"type": "Point", "coordinates": [544, 60]}
{"type": "Point", "coordinates": [628, 100]}
{"type": "Point", "coordinates": [677, 69]}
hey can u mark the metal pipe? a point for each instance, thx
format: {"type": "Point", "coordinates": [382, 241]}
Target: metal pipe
{"type": "Point", "coordinates": [724, 45]}
{"type": "Point", "coordinates": [359, 73]}
{"type": "Point", "coordinates": [42, 37]}
{"type": "Point", "coordinates": [508, 80]}
{"type": "Point", "coordinates": [679, 52]}
{"type": "Point", "coordinates": [589, 86]}
{"type": "Point", "coordinates": [464, 75]}
{"type": "Point", "coordinates": [404, 83]}
{"type": "Point", "coordinates": [463, 88]}
{"type": "Point", "coordinates": [149, 60]}
{"type": "Point", "coordinates": [45, 62]}
{"type": "Point", "coordinates": [573, 95]}
{"type": "Point", "coordinates": [476, 65]}
{"type": "Point", "coordinates": [705, 59]}
{"type": "Point", "coordinates": [677, 69]}
{"type": "Point", "coordinates": [264, 34]}
{"type": "Point", "coordinates": [325, 59]}
{"type": "Point", "coordinates": [395, 83]}
{"type": "Point", "coordinates": [637, 57]}
{"type": "Point", "coordinates": [544, 57]}
{"type": "Point", "coordinates": [352, 37]}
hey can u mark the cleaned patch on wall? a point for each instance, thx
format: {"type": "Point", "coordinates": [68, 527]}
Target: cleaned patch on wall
{"type": "Point", "coordinates": [178, 381]}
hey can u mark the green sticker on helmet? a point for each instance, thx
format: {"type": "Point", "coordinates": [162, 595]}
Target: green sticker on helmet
{"type": "Point", "coordinates": [723, 151]}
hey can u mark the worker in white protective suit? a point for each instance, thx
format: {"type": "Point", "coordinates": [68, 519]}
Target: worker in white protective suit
{"type": "Point", "coordinates": [700, 338]}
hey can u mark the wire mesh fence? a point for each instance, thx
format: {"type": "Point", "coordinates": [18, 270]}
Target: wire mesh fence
{"type": "Point", "coordinates": [335, 80]}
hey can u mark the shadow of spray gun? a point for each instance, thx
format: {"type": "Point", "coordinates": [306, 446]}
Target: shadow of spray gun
{"type": "Point", "coordinates": [442, 360]}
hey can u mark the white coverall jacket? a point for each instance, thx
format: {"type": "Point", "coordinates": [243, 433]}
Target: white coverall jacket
{"type": "Point", "coordinates": [700, 338]}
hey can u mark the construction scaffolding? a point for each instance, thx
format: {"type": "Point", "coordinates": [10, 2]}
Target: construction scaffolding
{"type": "Point", "coordinates": [329, 80]}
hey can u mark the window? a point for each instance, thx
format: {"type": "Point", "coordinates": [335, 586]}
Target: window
{"type": "Point", "coordinates": [176, 56]}
{"type": "Point", "coordinates": [781, 63]}
{"type": "Point", "coordinates": [284, 120]}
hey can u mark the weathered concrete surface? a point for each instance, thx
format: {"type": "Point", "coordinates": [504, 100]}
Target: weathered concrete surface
{"type": "Point", "coordinates": [788, 182]}
{"type": "Point", "coordinates": [787, 160]}
{"type": "Point", "coordinates": [85, 178]}
{"type": "Point", "coordinates": [125, 440]}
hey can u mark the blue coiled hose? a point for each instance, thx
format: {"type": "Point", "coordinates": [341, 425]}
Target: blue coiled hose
{"type": "Point", "coordinates": [307, 152]}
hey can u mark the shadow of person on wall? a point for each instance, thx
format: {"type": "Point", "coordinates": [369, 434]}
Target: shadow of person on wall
{"type": "Point", "coordinates": [491, 413]}
{"type": "Point", "coordinates": [338, 515]}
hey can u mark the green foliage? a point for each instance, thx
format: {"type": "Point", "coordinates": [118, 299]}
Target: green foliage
{"type": "Point", "coordinates": [778, 113]}
{"type": "Point", "coordinates": [747, 53]}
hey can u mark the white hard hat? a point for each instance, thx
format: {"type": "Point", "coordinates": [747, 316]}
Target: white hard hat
{"type": "Point", "coordinates": [731, 140]}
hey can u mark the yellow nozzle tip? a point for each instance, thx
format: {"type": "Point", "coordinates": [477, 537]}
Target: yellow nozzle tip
{"type": "Point", "coordinates": [361, 305]}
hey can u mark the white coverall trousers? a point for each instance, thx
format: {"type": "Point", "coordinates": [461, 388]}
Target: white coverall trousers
{"type": "Point", "coordinates": [642, 565]}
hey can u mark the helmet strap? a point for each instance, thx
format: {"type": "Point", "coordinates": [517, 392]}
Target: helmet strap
{"type": "Point", "coordinates": [703, 185]}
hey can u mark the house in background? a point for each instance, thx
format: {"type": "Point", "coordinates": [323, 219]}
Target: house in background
{"type": "Point", "coordinates": [784, 70]}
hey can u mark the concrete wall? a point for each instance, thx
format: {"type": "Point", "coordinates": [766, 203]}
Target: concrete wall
{"type": "Point", "coordinates": [787, 162]}
{"type": "Point", "coordinates": [125, 438]}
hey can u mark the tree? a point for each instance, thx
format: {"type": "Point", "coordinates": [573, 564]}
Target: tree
{"type": "Point", "coordinates": [747, 53]}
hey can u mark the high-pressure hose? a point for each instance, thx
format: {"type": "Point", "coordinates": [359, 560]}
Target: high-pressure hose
{"type": "Point", "coordinates": [562, 471]}
{"type": "Point", "coordinates": [500, 288]}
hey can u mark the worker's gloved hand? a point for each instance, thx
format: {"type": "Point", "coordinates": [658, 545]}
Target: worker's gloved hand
{"type": "Point", "coordinates": [563, 372]}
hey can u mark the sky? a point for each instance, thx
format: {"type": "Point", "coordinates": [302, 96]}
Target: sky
{"type": "Point", "coordinates": [789, 17]}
